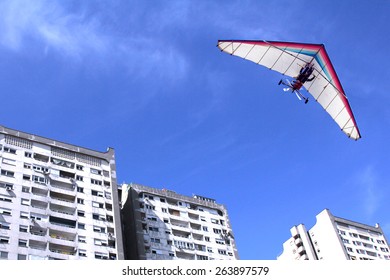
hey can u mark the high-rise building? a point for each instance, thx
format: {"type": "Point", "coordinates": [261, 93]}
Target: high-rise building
{"type": "Point", "coordinates": [335, 238]}
{"type": "Point", "coordinates": [163, 225]}
{"type": "Point", "coordinates": [57, 201]}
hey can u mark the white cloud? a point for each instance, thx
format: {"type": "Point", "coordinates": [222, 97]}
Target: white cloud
{"type": "Point", "coordinates": [370, 190]}
{"type": "Point", "coordinates": [80, 33]}
{"type": "Point", "coordinates": [48, 22]}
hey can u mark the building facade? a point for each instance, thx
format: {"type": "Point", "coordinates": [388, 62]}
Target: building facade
{"type": "Point", "coordinates": [164, 225]}
{"type": "Point", "coordinates": [57, 201]}
{"type": "Point", "coordinates": [335, 238]}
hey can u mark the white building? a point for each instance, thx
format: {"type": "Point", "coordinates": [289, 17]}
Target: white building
{"type": "Point", "coordinates": [57, 201]}
{"type": "Point", "coordinates": [334, 238]}
{"type": "Point", "coordinates": [164, 225]}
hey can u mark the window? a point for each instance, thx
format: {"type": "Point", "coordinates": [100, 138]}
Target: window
{"type": "Point", "coordinates": [25, 201]}
{"type": "Point", "coordinates": [222, 252]}
{"type": "Point", "coordinates": [39, 180]}
{"type": "Point", "coordinates": [4, 240]}
{"type": "Point", "coordinates": [217, 231]}
{"type": "Point", "coordinates": [39, 168]}
{"type": "Point", "coordinates": [162, 199]}
{"type": "Point", "coordinates": [22, 257]}
{"type": "Point", "coordinates": [3, 255]}
{"type": "Point", "coordinates": [5, 198]}
{"type": "Point", "coordinates": [9, 150]}
{"type": "Point", "coordinates": [206, 238]}
{"type": "Point", "coordinates": [6, 186]}
{"type": "Point", "coordinates": [97, 193]}
{"type": "Point", "coordinates": [79, 167]}
{"type": "Point", "coordinates": [5, 211]}
{"type": "Point", "coordinates": [97, 204]}
{"type": "Point", "coordinates": [7, 173]}
{"type": "Point", "coordinates": [81, 226]}
{"type": "Point", "coordinates": [164, 210]}
{"type": "Point", "coordinates": [25, 189]}
{"type": "Point", "coordinates": [108, 206]}
{"type": "Point", "coordinates": [98, 217]}
{"type": "Point", "coordinates": [24, 215]}
{"type": "Point", "coordinates": [80, 189]}
{"type": "Point", "coordinates": [220, 241]}
{"type": "Point", "coordinates": [155, 240]}
{"type": "Point", "coordinates": [28, 155]}
{"type": "Point", "coordinates": [101, 256]}
{"type": "Point", "coordinates": [153, 229]}
{"type": "Point", "coordinates": [9, 161]}
{"type": "Point", "coordinates": [23, 228]}
{"type": "Point", "coordinates": [96, 182]}
{"type": "Point", "coordinates": [95, 171]}
{"type": "Point", "coordinates": [82, 253]}
{"type": "Point", "coordinates": [80, 213]}
{"type": "Point", "coordinates": [99, 229]}
{"type": "Point", "coordinates": [100, 242]}
{"type": "Point", "coordinates": [80, 201]}
{"type": "Point", "coordinates": [26, 177]}
{"type": "Point", "coordinates": [79, 178]}
{"type": "Point", "coordinates": [205, 228]}
{"type": "Point", "coordinates": [107, 195]}
{"type": "Point", "coordinates": [22, 243]}
{"type": "Point", "coordinates": [150, 207]}
{"type": "Point", "coordinates": [4, 225]}
{"type": "Point", "coordinates": [346, 241]}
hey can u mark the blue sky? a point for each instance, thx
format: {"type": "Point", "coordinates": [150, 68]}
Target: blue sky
{"type": "Point", "coordinates": [146, 78]}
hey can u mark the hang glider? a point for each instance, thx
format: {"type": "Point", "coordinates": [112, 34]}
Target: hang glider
{"type": "Point", "coordinates": [291, 59]}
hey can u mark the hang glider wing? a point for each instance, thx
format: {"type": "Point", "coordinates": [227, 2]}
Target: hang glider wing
{"type": "Point", "coordinates": [288, 58]}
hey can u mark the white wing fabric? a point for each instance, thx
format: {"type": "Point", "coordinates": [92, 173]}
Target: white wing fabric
{"type": "Point", "coordinates": [288, 58]}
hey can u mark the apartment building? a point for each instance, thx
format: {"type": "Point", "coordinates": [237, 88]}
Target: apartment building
{"type": "Point", "coordinates": [335, 238]}
{"type": "Point", "coordinates": [57, 201]}
{"type": "Point", "coordinates": [160, 224]}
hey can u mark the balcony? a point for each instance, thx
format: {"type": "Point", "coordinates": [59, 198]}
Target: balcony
{"type": "Point", "coordinates": [62, 249]}
{"type": "Point", "coordinates": [180, 233]}
{"type": "Point", "coordinates": [63, 185]}
{"type": "Point", "coordinates": [63, 199]}
{"type": "Point", "coordinates": [37, 244]}
{"type": "Point", "coordinates": [41, 157]}
{"type": "Point", "coordinates": [39, 191]}
{"type": "Point", "coordinates": [61, 162]}
{"type": "Point", "coordinates": [185, 256]}
{"type": "Point", "coordinates": [38, 230]}
{"type": "Point", "coordinates": [193, 216]}
{"type": "Point", "coordinates": [174, 212]}
{"type": "Point", "coordinates": [61, 209]}
{"type": "Point", "coordinates": [298, 242]}
{"type": "Point", "coordinates": [39, 204]}
{"type": "Point", "coordinates": [198, 237]}
{"type": "Point", "coordinates": [179, 224]}
{"type": "Point", "coordinates": [61, 224]}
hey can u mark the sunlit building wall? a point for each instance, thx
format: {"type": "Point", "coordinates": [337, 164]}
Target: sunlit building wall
{"type": "Point", "coordinates": [163, 225]}
{"type": "Point", "coordinates": [335, 238]}
{"type": "Point", "coordinates": [57, 201]}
